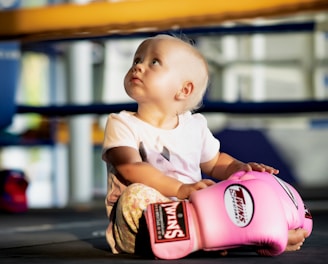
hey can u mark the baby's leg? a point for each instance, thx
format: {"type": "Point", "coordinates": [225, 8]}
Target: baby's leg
{"type": "Point", "coordinates": [131, 204]}
{"type": "Point", "coordinates": [295, 239]}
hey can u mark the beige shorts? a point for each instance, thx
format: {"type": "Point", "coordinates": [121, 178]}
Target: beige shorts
{"type": "Point", "coordinates": [122, 230]}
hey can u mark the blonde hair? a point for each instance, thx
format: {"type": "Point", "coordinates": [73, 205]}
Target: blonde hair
{"type": "Point", "coordinates": [200, 82]}
{"type": "Point", "coordinates": [200, 76]}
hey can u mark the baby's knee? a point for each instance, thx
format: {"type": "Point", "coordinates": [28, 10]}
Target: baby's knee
{"type": "Point", "coordinates": [133, 201]}
{"type": "Point", "coordinates": [138, 196]}
{"type": "Point", "coordinates": [137, 189]}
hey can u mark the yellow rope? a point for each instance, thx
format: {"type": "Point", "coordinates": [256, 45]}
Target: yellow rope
{"type": "Point", "coordinates": [105, 18]}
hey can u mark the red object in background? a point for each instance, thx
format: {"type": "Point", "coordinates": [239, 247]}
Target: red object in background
{"type": "Point", "coordinates": [13, 185]}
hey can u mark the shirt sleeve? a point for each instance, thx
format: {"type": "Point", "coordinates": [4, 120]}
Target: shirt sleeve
{"type": "Point", "coordinates": [211, 145]}
{"type": "Point", "coordinates": [118, 133]}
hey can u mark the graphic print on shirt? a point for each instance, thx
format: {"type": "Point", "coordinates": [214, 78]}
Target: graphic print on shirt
{"type": "Point", "coordinates": [166, 153]}
{"type": "Point", "coordinates": [142, 151]}
{"type": "Point", "coordinates": [159, 156]}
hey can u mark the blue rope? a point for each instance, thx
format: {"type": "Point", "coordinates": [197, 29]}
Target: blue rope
{"type": "Point", "coordinates": [257, 108]}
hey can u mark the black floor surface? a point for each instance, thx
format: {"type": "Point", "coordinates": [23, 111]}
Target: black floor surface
{"type": "Point", "coordinates": [76, 235]}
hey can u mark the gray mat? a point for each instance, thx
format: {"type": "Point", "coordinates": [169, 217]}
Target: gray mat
{"type": "Point", "coordinates": [77, 236]}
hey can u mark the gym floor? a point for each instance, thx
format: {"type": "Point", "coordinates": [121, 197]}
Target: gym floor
{"type": "Point", "coordinates": [76, 235]}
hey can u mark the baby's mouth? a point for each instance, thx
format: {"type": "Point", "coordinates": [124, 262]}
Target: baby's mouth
{"type": "Point", "coordinates": [135, 79]}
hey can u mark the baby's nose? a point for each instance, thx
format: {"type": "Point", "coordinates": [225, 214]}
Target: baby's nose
{"type": "Point", "coordinates": [136, 68]}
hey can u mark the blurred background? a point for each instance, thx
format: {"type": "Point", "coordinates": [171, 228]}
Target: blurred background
{"type": "Point", "coordinates": [61, 156]}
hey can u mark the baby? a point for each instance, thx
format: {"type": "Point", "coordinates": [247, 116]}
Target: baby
{"type": "Point", "coordinates": [159, 152]}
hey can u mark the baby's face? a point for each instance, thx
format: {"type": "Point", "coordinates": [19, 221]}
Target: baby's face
{"type": "Point", "coordinates": [160, 68]}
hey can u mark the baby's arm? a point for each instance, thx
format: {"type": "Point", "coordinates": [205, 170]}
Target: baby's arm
{"type": "Point", "coordinates": [223, 165]}
{"type": "Point", "coordinates": [129, 165]}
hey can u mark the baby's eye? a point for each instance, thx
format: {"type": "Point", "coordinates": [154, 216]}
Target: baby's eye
{"type": "Point", "coordinates": [155, 61]}
{"type": "Point", "coordinates": [136, 61]}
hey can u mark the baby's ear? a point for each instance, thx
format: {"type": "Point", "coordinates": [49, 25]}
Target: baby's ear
{"type": "Point", "coordinates": [185, 91]}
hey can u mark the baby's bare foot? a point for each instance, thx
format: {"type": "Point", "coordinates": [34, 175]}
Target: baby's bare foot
{"type": "Point", "coordinates": [296, 239]}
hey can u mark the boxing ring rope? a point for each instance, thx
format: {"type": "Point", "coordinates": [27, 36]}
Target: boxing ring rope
{"type": "Point", "coordinates": [71, 21]}
{"type": "Point", "coordinates": [118, 19]}
{"type": "Point", "coordinates": [240, 108]}
{"type": "Point", "coordinates": [280, 28]}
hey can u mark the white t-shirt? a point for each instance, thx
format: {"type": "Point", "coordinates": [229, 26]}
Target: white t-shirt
{"type": "Point", "coordinates": [176, 152]}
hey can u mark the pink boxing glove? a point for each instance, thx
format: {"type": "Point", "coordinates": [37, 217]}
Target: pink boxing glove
{"type": "Point", "coordinates": [297, 214]}
{"type": "Point", "coordinates": [241, 211]}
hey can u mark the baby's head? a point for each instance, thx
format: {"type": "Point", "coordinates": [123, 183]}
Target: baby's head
{"type": "Point", "coordinates": [190, 77]}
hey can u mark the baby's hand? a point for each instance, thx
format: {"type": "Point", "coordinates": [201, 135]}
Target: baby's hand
{"type": "Point", "coordinates": [296, 239]}
{"type": "Point", "coordinates": [186, 189]}
{"type": "Point", "coordinates": [253, 166]}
